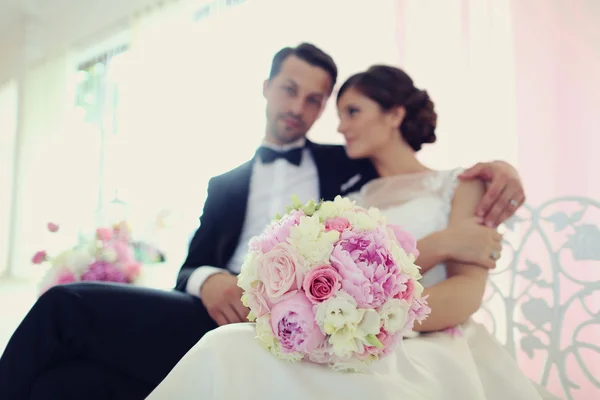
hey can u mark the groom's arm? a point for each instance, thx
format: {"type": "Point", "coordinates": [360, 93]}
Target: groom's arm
{"type": "Point", "coordinates": [202, 259]}
{"type": "Point", "coordinates": [504, 192]}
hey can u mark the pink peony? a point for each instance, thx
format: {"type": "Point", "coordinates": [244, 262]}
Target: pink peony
{"type": "Point", "coordinates": [419, 310]}
{"type": "Point", "coordinates": [280, 271]}
{"type": "Point", "coordinates": [52, 227]}
{"type": "Point", "coordinates": [294, 326]}
{"type": "Point", "coordinates": [321, 282]}
{"type": "Point", "coordinates": [339, 224]}
{"type": "Point", "coordinates": [39, 257]}
{"type": "Point", "coordinates": [368, 270]}
{"type": "Point", "coordinates": [409, 284]}
{"type": "Point", "coordinates": [103, 271]}
{"type": "Point", "coordinates": [406, 240]}
{"type": "Point", "coordinates": [277, 233]}
{"type": "Point", "coordinates": [258, 301]}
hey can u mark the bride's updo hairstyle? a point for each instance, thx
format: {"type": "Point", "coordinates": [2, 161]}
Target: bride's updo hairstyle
{"type": "Point", "coordinates": [391, 87]}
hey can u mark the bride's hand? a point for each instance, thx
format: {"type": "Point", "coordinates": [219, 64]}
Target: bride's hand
{"type": "Point", "coordinates": [472, 242]}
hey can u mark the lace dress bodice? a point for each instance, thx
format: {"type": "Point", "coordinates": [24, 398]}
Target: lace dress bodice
{"type": "Point", "coordinates": [420, 203]}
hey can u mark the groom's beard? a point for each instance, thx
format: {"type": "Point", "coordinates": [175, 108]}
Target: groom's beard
{"type": "Point", "coordinates": [289, 128]}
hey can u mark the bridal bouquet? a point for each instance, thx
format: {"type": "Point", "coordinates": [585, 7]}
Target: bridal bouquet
{"type": "Point", "coordinates": [110, 256]}
{"type": "Point", "coordinates": [332, 283]}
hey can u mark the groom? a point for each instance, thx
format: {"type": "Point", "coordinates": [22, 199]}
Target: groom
{"type": "Point", "coordinates": [102, 341]}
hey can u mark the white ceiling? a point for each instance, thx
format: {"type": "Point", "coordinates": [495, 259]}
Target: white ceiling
{"type": "Point", "coordinates": [40, 27]}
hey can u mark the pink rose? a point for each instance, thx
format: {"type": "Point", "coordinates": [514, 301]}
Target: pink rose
{"type": "Point", "coordinates": [280, 271]}
{"type": "Point", "coordinates": [405, 240]}
{"type": "Point", "coordinates": [258, 301]}
{"type": "Point", "coordinates": [294, 326]}
{"type": "Point", "coordinates": [277, 233]}
{"type": "Point", "coordinates": [52, 227]}
{"type": "Point", "coordinates": [368, 270]}
{"type": "Point", "coordinates": [339, 224]}
{"type": "Point", "coordinates": [39, 257]}
{"type": "Point", "coordinates": [321, 282]}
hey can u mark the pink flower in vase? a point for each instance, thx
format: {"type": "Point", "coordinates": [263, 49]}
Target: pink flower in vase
{"type": "Point", "coordinates": [104, 234]}
{"type": "Point", "coordinates": [52, 227]}
{"type": "Point", "coordinates": [105, 272]}
{"type": "Point", "coordinates": [132, 271]}
{"type": "Point", "coordinates": [39, 257]}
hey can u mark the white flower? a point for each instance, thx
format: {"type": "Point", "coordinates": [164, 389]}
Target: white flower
{"type": "Point", "coordinates": [344, 342]}
{"type": "Point", "coordinates": [76, 259]}
{"type": "Point", "coordinates": [405, 261]}
{"type": "Point", "coordinates": [335, 208]}
{"type": "Point", "coordinates": [394, 314]}
{"type": "Point", "coordinates": [418, 290]}
{"type": "Point", "coordinates": [109, 255]}
{"type": "Point", "coordinates": [369, 324]}
{"type": "Point", "coordinates": [360, 220]}
{"type": "Point", "coordinates": [265, 335]}
{"type": "Point", "coordinates": [338, 312]}
{"type": "Point", "coordinates": [249, 271]}
{"type": "Point", "coordinates": [311, 240]}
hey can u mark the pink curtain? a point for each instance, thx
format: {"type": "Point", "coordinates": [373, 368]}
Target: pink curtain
{"type": "Point", "coordinates": [532, 70]}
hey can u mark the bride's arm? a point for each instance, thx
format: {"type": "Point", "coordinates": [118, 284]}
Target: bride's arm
{"type": "Point", "coordinates": [432, 251]}
{"type": "Point", "coordinates": [459, 296]}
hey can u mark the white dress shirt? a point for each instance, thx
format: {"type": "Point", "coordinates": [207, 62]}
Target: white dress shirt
{"type": "Point", "coordinates": [271, 189]}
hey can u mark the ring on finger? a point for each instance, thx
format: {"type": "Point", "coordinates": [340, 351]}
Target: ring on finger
{"type": "Point", "coordinates": [513, 203]}
{"type": "Point", "coordinates": [495, 255]}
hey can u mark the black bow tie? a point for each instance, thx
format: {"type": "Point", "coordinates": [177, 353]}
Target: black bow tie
{"type": "Point", "coordinates": [267, 155]}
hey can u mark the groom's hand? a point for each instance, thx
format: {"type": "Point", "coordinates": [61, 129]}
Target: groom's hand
{"type": "Point", "coordinates": [504, 194]}
{"type": "Point", "coordinates": [222, 298]}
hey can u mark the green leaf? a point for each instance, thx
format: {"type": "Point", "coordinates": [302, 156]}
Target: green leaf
{"type": "Point", "coordinates": [373, 341]}
{"type": "Point", "coordinates": [296, 203]}
{"type": "Point", "coordinates": [309, 208]}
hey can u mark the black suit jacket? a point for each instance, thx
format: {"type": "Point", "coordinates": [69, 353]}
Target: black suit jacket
{"type": "Point", "coordinates": [224, 211]}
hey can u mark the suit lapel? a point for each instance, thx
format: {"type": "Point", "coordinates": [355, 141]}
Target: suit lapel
{"type": "Point", "coordinates": [328, 185]}
{"type": "Point", "coordinates": [235, 206]}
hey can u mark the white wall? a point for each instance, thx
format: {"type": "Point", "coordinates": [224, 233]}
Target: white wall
{"type": "Point", "coordinates": [42, 158]}
{"type": "Point", "coordinates": [8, 133]}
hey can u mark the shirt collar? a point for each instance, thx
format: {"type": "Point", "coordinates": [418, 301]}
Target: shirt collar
{"type": "Point", "coordinates": [294, 145]}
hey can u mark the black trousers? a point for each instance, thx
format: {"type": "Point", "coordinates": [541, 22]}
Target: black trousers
{"type": "Point", "coordinates": [100, 341]}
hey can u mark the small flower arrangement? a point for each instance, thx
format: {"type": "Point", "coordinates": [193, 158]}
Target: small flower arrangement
{"type": "Point", "coordinates": [332, 283]}
{"type": "Point", "coordinates": [111, 256]}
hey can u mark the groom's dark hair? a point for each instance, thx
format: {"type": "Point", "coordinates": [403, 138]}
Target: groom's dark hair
{"type": "Point", "coordinates": [309, 53]}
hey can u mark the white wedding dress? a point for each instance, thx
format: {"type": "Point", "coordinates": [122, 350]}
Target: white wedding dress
{"type": "Point", "coordinates": [229, 363]}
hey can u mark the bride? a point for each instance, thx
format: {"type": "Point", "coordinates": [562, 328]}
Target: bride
{"type": "Point", "coordinates": [384, 117]}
